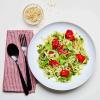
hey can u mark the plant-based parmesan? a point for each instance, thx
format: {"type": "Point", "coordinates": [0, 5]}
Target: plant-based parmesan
{"type": "Point", "coordinates": [33, 14]}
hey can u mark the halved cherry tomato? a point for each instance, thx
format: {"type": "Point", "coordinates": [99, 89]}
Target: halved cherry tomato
{"type": "Point", "coordinates": [54, 63]}
{"type": "Point", "coordinates": [64, 73]}
{"type": "Point", "coordinates": [65, 52]}
{"type": "Point", "coordinates": [69, 35]}
{"type": "Point", "coordinates": [51, 52]}
{"type": "Point", "coordinates": [55, 43]}
{"type": "Point", "coordinates": [61, 50]}
{"type": "Point", "coordinates": [80, 58]}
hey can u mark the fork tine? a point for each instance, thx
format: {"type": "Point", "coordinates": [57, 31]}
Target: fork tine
{"type": "Point", "coordinates": [20, 38]}
{"type": "Point", "coordinates": [25, 40]}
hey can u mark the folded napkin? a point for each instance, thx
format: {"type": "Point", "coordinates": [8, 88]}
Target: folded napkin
{"type": "Point", "coordinates": [12, 82]}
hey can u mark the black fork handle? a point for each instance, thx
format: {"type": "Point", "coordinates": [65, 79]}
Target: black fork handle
{"type": "Point", "coordinates": [29, 85]}
{"type": "Point", "coordinates": [22, 81]}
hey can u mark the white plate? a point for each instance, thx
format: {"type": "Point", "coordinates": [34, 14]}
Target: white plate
{"type": "Point", "coordinates": [33, 56]}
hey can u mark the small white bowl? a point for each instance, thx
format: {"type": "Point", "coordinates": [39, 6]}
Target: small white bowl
{"type": "Point", "coordinates": [33, 21]}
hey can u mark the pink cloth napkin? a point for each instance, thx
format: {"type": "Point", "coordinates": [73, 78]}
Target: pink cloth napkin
{"type": "Point", "coordinates": [11, 82]}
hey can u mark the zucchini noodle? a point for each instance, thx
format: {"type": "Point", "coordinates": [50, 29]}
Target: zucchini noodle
{"type": "Point", "coordinates": [68, 61]}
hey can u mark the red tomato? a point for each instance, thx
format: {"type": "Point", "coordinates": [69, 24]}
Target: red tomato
{"type": "Point", "coordinates": [51, 52]}
{"type": "Point", "coordinates": [55, 43]}
{"type": "Point", "coordinates": [64, 73]}
{"type": "Point", "coordinates": [54, 63]}
{"type": "Point", "coordinates": [61, 50]}
{"type": "Point", "coordinates": [65, 52]}
{"type": "Point", "coordinates": [80, 58]}
{"type": "Point", "coordinates": [69, 35]}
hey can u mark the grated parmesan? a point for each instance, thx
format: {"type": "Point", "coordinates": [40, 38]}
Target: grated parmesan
{"type": "Point", "coordinates": [33, 14]}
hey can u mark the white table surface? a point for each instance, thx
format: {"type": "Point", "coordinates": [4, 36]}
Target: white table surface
{"type": "Point", "coordinates": [85, 13]}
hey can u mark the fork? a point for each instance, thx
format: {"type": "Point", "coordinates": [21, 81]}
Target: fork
{"type": "Point", "coordinates": [23, 43]}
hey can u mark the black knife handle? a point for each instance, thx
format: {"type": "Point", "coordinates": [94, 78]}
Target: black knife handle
{"type": "Point", "coordinates": [29, 85]}
{"type": "Point", "coordinates": [22, 81]}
